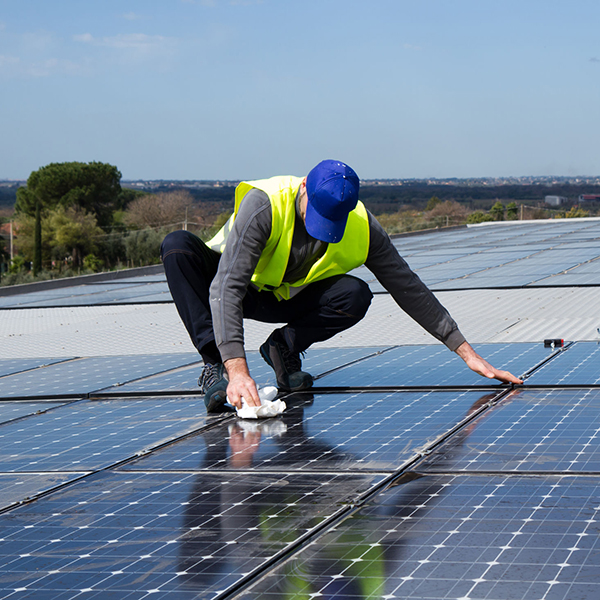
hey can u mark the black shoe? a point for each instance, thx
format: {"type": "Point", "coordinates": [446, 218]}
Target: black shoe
{"type": "Point", "coordinates": [286, 364]}
{"type": "Point", "coordinates": [213, 384]}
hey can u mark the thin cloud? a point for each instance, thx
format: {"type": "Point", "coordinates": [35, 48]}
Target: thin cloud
{"type": "Point", "coordinates": [137, 41]}
{"type": "Point", "coordinates": [14, 66]}
{"type": "Point", "coordinates": [131, 16]}
{"type": "Point", "coordinates": [595, 59]}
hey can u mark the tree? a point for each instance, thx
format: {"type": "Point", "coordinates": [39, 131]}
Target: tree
{"type": "Point", "coordinates": [158, 210]}
{"type": "Point", "coordinates": [74, 231]}
{"type": "Point", "coordinates": [512, 211]}
{"type": "Point", "coordinates": [497, 211]}
{"type": "Point", "coordinates": [433, 202]}
{"type": "Point", "coordinates": [479, 217]}
{"type": "Point", "coordinates": [94, 187]}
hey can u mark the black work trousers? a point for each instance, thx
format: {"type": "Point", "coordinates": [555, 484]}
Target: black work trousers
{"type": "Point", "coordinates": [315, 314]}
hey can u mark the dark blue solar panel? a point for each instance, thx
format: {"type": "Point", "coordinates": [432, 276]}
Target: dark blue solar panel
{"type": "Point", "coordinates": [315, 361]}
{"type": "Point", "coordinates": [531, 430]}
{"type": "Point", "coordinates": [93, 434]}
{"type": "Point", "coordinates": [13, 410]}
{"type": "Point", "coordinates": [85, 375]}
{"type": "Point", "coordinates": [433, 365]}
{"type": "Point", "coordinates": [8, 366]}
{"type": "Point", "coordinates": [450, 537]}
{"type": "Point", "coordinates": [132, 535]}
{"type": "Point", "coordinates": [20, 487]}
{"type": "Point", "coordinates": [577, 365]}
{"type": "Point", "coordinates": [341, 432]}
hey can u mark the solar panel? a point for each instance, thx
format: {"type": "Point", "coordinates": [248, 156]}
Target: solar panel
{"type": "Point", "coordinates": [20, 487]}
{"type": "Point", "coordinates": [14, 410]}
{"type": "Point", "coordinates": [341, 432]}
{"type": "Point", "coordinates": [433, 365]}
{"type": "Point", "coordinates": [88, 435]}
{"type": "Point", "coordinates": [443, 537]}
{"type": "Point", "coordinates": [85, 375]}
{"type": "Point", "coordinates": [315, 361]}
{"type": "Point", "coordinates": [163, 534]}
{"type": "Point", "coordinates": [8, 366]}
{"type": "Point", "coordinates": [531, 430]}
{"type": "Point", "coordinates": [577, 365]}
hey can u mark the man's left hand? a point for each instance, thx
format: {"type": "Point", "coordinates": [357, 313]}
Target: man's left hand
{"type": "Point", "coordinates": [482, 367]}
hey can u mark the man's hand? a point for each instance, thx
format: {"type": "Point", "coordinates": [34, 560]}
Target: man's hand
{"type": "Point", "coordinates": [240, 383]}
{"type": "Point", "coordinates": [482, 367]}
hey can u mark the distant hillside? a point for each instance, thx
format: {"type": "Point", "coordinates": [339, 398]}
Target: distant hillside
{"type": "Point", "coordinates": [8, 195]}
{"type": "Point", "coordinates": [390, 198]}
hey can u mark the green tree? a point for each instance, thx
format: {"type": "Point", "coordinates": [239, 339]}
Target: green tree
{"type": "Point", "coordinates": [479, 217]}
{"type": "Point", "coordinates": [37, 253]}
{"type": "Point", "coordinates": [512, 211]}
{"type": "Point", "coordinates": [94, 187]}
{"type": "Point", "coordinates": [73, 232]}
{"type": "Point", "coordinates": [497, 211]}
{"type": "Point", "coordinates": [143, 246]}
{"type": "Point", "coordinates": [433, 202]}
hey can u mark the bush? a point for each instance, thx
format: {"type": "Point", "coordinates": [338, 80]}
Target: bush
{"type": "Point", "coordinates": [479, 217]}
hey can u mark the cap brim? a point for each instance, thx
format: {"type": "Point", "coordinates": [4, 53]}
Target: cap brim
{"type": "Point", "coordinates": [323, 229]}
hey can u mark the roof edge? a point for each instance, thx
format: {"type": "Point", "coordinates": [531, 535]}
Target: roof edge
{"type": "Point", "coordinates": [53, 284]}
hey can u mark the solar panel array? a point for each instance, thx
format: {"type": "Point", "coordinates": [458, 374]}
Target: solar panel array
{"type": "Point", "coordinates": [547, 254]}
{"type": "Point", "coordinates": [401, 474]}
{"type": "Point", "coordinates": [397, 476]}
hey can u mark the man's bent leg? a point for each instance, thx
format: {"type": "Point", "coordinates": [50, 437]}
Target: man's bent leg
{"type": "Point", "coordinates": [190, 266]}
{"type": "Point", "coordinates": [336, 304]}
{"type": "Point", "coordinates": [315, 314]}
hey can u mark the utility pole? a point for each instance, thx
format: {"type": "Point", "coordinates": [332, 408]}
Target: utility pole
{"type": "Point", "coordinates": [11, 242]}
{"type": "Point", "coordinates": [185, 224]}
{"type": "Point", "coordinates": [521, 212]}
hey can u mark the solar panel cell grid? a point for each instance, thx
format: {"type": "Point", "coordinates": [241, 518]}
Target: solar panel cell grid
{"type": "Point", "coordinates": [115, 533]}
{"type": "Point", "coordinates": [89, 374]}
{"type": "Point", "coordinates": [530, 430]}
{"type": "Point", "coordinates": [93, 434]}
{"type": "Point", "coordinates": [432, 365]}
{"type": "Point", "coordinates": [440, 537]}
{"type": "Point", "coordinates": [340, 432]}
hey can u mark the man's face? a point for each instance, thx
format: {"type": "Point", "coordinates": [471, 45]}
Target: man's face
{"type": "Point", "coordinates": [303, 199]}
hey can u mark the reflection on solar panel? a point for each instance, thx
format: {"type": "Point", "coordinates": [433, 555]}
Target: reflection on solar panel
{"type": "Point", "coordinates": [532, 430]}
{"type": "Point", "coordinates": [455, 536]}
{"type": "Point", "coordinates": [183, 535]}
{"type": "Point", "coordinates": [357, 432]}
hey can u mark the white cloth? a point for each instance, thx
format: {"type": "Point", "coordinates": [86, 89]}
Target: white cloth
{"type": "Point", "coordinates": [268, 407]}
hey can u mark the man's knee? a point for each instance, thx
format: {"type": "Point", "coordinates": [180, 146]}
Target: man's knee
{"type": "Point", "coordinates": [178, 241]}
{"type": "Point", "coordinates": [353, 297]}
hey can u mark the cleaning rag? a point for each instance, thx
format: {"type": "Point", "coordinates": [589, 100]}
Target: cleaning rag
{"type": "Point", "coordinates": [268, 407]}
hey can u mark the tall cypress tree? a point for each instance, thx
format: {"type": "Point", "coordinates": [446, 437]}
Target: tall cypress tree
{"type": "Point", "coordinates": [37, 250]}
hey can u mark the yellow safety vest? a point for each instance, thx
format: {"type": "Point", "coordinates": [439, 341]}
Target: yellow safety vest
{"type": "Point", "coordinates": [350, 252]}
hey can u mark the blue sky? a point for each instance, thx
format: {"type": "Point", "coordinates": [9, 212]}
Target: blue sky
{"type": "Point", "coordinates": [232, 89]}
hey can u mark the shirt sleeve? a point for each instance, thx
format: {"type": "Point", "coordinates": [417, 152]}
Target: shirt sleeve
{"type": "Point", "coordinates": [246, 241]}
{"type": "Point", "coordinates": [407, 289]}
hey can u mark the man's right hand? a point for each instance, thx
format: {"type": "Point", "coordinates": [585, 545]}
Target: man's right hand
{"type": "Point", "coordinates": [240, 383]}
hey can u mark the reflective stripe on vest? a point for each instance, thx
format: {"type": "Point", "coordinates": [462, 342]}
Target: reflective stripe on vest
{"type": "Point", "coordinates": [350, 252]}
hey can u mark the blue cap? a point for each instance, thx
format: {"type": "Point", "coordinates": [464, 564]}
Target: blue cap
{"type": "Point", "coordinates": [332, 189]}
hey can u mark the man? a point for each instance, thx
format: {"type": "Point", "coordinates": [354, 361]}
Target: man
{"type": "Point", "coordinates": [283, 257]}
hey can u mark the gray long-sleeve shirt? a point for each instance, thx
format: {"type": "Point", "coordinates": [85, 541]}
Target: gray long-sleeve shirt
{"type": "Point", "coordinates": [246, 241]}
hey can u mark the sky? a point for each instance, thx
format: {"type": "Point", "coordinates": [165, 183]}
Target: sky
{"type": "Point", "coordinates": [245, 89]}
